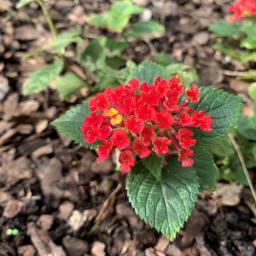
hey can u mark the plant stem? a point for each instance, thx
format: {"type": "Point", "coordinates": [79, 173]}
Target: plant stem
{"type": "Point", "coordinates": [241, 159]}
{"type": "Point", "coordinates": [48, 18]}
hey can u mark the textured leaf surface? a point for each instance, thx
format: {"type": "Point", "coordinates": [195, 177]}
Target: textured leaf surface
{"type": "Point", "coordinates": [22, 3]}
{"type": "Point", "coordinates": [224, 109]}
{"type": "Point", "coordinates": [154, 164]}
{"type": "Point", "coordinates": [42, 77]}
{"type": "Point", "coordinates": [69, 84]}
{"type": "Point", "coordinates": [147, 71]}
{"type": "Point", "coordinates": [65, 38]}
{"type": "Point", "coordinates": [164, 204]}
{"type": "Point", "coordinates": [70, 122]}
{"type": "Point", "coordinates": [205, 169]}
{"type": "Point", "coordinates": [145, 30]}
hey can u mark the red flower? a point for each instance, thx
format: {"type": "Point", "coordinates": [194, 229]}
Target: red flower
{"type": "Point", "coordinates": [148, 135]}
{"type": "Point", "coordinates": [134, 124]}
{"type": "Point", "coordinates": [201, 121]}
{"type": "Point", "coordinates": [241, 9]}
{"type": "Point", "coordinates": [140, 149]}
{"type": "Point", "coordinates": [89, 135]}
{"type": "Point", "coordinates": [164, 120]}
{"type": "Point", "coordinates": [103, 132]}
{"type": "Point", "coordinates": [99, 102]}
{"type": "Point", "coordinates": [120, 139]}
{"type": "Point", "coordinates": [193, 94]}
{"type": "Point", "coordinates": [138, 118]}
{"type": "Point", "coordinates": [104, 150]}
{"type": "Point", "coordinates": [126, 160]}
{"type": "Point", "coordinates": [184, 137]}
{"type": "Point", "coordinates": [93, 121]}
{"type": "Point", "coordinates": [185, 158]}
{"type": "Point", "coordinates": [161, 145]}
{"type": "Point", "coordinates": [145, 112]}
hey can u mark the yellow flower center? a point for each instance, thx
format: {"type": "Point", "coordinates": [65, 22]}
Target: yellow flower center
{"type": "Point", "coordinates": [117, 119]}
{"type": "Point", "coordinates": [110, 112]}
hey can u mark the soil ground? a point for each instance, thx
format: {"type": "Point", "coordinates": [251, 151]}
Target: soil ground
{"type": "Point", "coordinates": [54, 193]}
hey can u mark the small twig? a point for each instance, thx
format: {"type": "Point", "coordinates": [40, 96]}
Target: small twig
{"type": "Point", "coordinates": [234, 73]}
{"type": "Point", "coordinates": [106, 205]}
{"type": "Point", "coordinates": [241, 159]}
{"type": "Point", "coordinates": [48, 18]}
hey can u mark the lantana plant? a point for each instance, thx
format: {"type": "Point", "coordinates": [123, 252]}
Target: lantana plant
{"type": "Point", "coordinates": [162, 132]}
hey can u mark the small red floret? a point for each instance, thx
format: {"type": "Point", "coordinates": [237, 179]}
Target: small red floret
{"type": "Point", "coordinates": [241, 9]}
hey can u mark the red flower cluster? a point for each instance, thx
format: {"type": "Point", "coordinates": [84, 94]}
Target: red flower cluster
{"type": "Point", "coordinates": [242, 9]}
{"type": "Point", "coordinates": [138, 119]}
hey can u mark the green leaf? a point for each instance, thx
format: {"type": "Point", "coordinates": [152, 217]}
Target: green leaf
{"type": "Point", "coordinates": [250, 75]}
{"type": "Point", "coordinates": [70, 122]}
{"type": "Point", "coordinates": [223, 107]}
{"type": "Point", "coordinates": [205, 169]}
{"type": "Point", "coordinates": [249, 43]}
{"type": "Point", "coordinates": [225, 29]}
{"type": "Point", "coordinates": [252, 91]}
{"type": "Point", "coordinates": [115, 62]}
{"type": "Point", "coordinates": [222, 148]}
{"type": "Point", "coordinates": [115, 48]}
{"type": "Point", "coordinates": [187, 77]}
{"type": "Point", "coordinates": [229, 50]}
{"type": "Point", "coordinates": [254, 152]}
{"type": "Point", "coordinates": [247, 127]}
{"type": "Point", "coordinates": [162, 59]}
{"type": "Point", "coordinates": [22, 3]}
{"type": "Point", "coordinates": [147, 72]}
{"type": "Point", "coordinates": [153, 163]}
{"type": "Point", "coordinates": [94, 55]}
{"type": "Point", "coordinates": [145, 30]}
{"type": "Point", "coordinates": [117, 18]}
{"type": "Point", "coordinates": [164, 204]}
{"type": "Point", "coordinates": [64, 39]}
{"type": "Point", "coordinates": [41, 78]}
{"type": "Point", "coordinates": [69, 84]}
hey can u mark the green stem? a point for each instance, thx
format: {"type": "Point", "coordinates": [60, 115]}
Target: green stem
{"type": "Point", "coordinates": [242, 161]}
{"type": "Point", "coordinates": [47, 16]}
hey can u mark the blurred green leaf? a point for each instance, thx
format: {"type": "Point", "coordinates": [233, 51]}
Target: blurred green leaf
{"type": "Point", "coordinates": [22, 3]}
{"type": "Point", "coordinates": [252, 91]}
{"type": "Point", "coordinates": [174, 68]}
{"type": "Point", "coordinates": [188, 77]}
{"type": "Point", "coordinates": [249, 43]}
{"type": "Point", "coordinates": [162, 59]}
{"type": "Point", "coordinates": [41, 78]}
{"type": "Point", "coordinates": [223, 148]}
{"type": "Point", "coordinates": [145, 30]}
{"type": "Point", "coordinates": [115, 48]}
{"type": "Point", "coordinates": [117, 18]}
{"type": "Point", "coordinates": [250, 75]}
{"type": "Point", "coordinates": [69, 84]}
{"type": "Point", "coordinates": [228, 50]}
{"type": "Point", "coordinates": [225, 29]}
{"type": "Point", "coordinates": [248, 56]}
{"type": "Point", "coordinates": [64, 39]}
{"type": "Point", "coordinates": [115, 62]}
{"type": "Point", "coordinates": [94, 55]}
{"type": "Point", "coordinates": [247, 127]}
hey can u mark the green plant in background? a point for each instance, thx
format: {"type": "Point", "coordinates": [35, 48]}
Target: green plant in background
{"type": "Point", "coordinates": [237, 39]}
{"type": "Point", "coordinates": [101, 62]}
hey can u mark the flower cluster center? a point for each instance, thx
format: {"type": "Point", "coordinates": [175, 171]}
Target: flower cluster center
{"type": "Point", "coordinates": [138, 119]}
